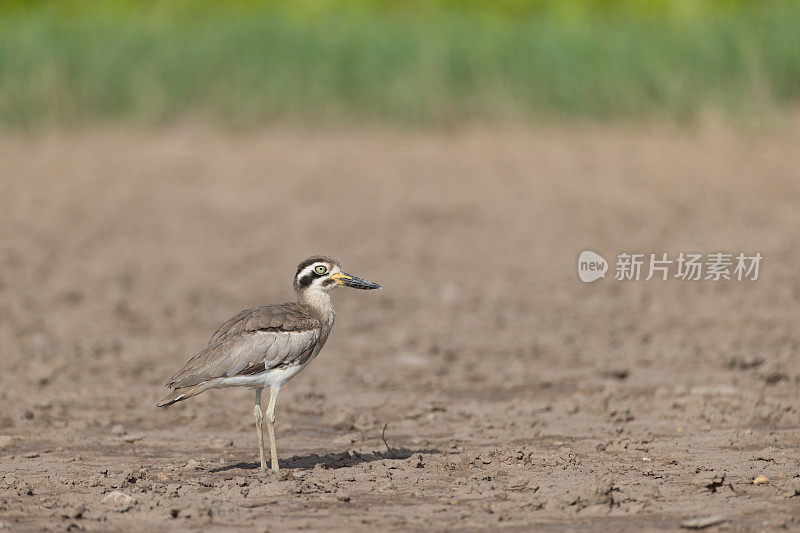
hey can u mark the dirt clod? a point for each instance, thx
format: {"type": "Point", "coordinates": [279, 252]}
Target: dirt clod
{"type": "Point", "coordinates": [710, 481]}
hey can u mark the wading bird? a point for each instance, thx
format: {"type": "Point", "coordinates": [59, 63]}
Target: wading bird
{"type": "Point", "coordinates": [266, 346]}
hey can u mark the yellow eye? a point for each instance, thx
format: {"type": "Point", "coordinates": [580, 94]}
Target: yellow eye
{"type": "Point", "coordinates": [320, 270]}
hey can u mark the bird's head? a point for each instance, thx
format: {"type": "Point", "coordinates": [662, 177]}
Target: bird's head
{"type": "Point", "coordinates": [320, 273]}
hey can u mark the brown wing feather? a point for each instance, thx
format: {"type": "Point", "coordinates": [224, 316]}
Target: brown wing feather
{"type": "Point", "coordinates": [283, 317]}
{"type": "Point", "coordinates": [242, 344]}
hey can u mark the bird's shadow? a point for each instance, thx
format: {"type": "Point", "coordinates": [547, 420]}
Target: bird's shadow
{"type": "Point", "coordinates": [332, 461]}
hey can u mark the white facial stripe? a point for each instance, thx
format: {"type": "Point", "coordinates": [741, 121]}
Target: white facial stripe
{"type": "Point", "coordinates": [310, 270]}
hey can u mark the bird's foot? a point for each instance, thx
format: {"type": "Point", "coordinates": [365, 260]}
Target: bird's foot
{"type": "Point", "coordinates": [266, 468]}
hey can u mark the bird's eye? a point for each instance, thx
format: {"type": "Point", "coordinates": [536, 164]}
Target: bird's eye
{"type": "Point", "coordinates": [320, 269]}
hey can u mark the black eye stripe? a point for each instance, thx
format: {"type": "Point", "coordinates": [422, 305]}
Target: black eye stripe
{"type": "Point", "coordinates": [315, 259]}
{"type": "Point", "coordinates": [305, 281]}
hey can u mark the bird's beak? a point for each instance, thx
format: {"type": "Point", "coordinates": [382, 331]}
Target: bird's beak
{"type": "Point", "coordinates": [354, 281]}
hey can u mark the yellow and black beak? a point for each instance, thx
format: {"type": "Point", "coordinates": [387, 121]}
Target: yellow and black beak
{"type": "Point", "coordinates": [354, 281]}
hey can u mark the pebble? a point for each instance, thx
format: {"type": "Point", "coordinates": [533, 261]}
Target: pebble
{"type": "Point", "coordinates": [192, 464]}
{"type": "Point", "coordinates": [761, 480]}
{"type": "Point", "coordinates": [119, 500]}
{"type": "Point", "coordinates": [6, 441]}
{"type": "Point", "coordinates": [703, 522]}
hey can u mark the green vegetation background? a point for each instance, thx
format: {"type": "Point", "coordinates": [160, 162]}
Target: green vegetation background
{"type": "Point", "coordinates": [73, 62]}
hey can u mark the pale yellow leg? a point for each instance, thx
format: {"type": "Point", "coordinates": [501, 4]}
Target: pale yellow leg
{"type": "Point", "coordinates": [273, 397]}
{"type": "Point", "coordinates": [259, 430]}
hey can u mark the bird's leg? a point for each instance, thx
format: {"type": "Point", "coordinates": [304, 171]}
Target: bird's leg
{"type": "Point", "coordinates": [259, 419]}
{"type": "Point", "coordinates": [273, 397]}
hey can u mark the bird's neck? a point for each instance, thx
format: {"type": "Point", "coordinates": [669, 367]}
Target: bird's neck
{"type": "Point", "coordinates": [320, 301]}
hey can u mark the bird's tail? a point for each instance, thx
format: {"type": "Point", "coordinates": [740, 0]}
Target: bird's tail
{"type": "Point", "coordinates": [179, 394]}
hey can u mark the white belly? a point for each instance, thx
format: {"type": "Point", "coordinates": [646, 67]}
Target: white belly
{"type": "Point", "coordinates": [273, 378]}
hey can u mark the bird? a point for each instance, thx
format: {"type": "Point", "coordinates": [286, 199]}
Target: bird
{"type": "Point", "coordinates": [266, 346]}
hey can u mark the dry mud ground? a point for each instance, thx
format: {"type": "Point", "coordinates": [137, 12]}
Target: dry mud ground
{"type": "Point", "coordinates": [516, 396]}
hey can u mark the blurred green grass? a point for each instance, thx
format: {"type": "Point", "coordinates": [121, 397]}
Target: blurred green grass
{"type": "Point", "coordinates": [67, 63]}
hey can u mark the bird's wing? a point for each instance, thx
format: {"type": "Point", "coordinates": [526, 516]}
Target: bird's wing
{"type": "Point", "coordinates": [284, 317]}
{"type": "Point", "coordinates": [251, 342]}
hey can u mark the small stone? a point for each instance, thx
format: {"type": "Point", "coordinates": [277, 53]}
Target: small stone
{"type": "Point", "coordinates": [192, 464]}
{"type": "Point", "coordinates": [120, 501]}
{"type": "Point", "coordinates": [703, 522]}
{"type": "Point", "coordinates": [118, 429]}
{"type": "Point", "coordinates": [6, 441]}
{"type": "Point", "coordinates": [31, 455]}
{"type": "Point", "coordinates": [417, 461]}
{"type": "Point", "coordinates": [761, 480]}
